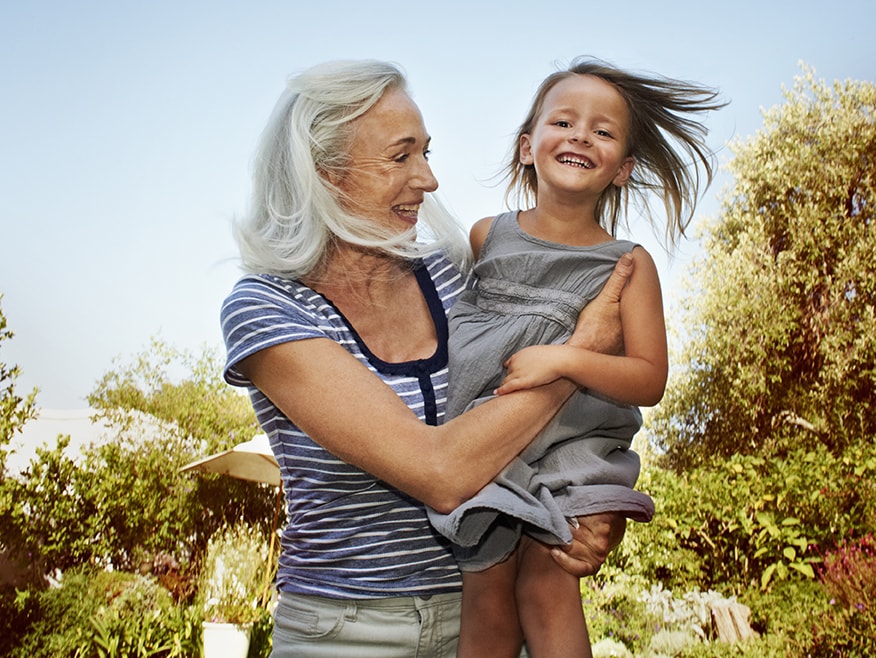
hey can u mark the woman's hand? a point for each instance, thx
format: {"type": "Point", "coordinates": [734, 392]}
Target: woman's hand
{"type": "Point", "coordinates": [598, 329]}
{"type": "Point", "coordinates": [594, 538]}
{"type": "Point", "coordinates": [599, 325]}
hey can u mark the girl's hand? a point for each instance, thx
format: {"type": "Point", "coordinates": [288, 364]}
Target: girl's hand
{"type": "Point", "coordinates": [532, 366]}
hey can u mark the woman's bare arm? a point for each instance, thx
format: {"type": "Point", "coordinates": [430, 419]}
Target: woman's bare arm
{"type": "Point", "coordinates": [342, 406]}
{"type": "Point", "coordinates": [351, 413]}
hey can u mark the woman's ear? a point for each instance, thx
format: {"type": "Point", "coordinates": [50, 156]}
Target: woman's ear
{"type": "Point", "coordinates": [333, 176]}
{"type": "Point", "coordinates": [525, 150]}
{"type": "Point", "coordinates": [625, 171]}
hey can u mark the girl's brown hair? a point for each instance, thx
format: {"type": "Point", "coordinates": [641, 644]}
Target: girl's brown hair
{"type": "Point", "coordinates": [666, 141]}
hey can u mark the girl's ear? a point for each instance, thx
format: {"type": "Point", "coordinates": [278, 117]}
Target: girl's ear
{"type": "Point", "coordinates": [625, 171]}
{"type": "Point", "coordinates": [525, 150]}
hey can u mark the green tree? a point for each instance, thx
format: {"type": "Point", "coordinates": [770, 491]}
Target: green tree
{"type": "Point", "coordinates": [15, 410]}
{"type": "Point", "coordinates": [780, 341]}
{"type": "Point", "coordinates": [124, 502]}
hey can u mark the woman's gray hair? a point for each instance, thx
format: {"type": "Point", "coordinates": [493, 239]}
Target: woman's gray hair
{"type": "Point", "coordinates": [295, 214]}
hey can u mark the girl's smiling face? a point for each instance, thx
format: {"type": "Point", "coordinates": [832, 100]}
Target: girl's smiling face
{"type": "Point", "coordinates": [579, 142]}
{"type": "Point", "coordinates": [389, 174]}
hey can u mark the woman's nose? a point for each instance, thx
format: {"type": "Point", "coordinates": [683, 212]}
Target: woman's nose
{"type": "Point", "coordinates": [425, 179]}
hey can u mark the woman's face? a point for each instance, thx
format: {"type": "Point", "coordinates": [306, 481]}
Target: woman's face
{"type": "Point", "coordinates": [389, 172]}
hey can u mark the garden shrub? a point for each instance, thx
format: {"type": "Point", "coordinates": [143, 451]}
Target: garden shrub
{"type": "Point", "coordinates": [748, 521]}
{"type": "Point", "coordinates": [614, 613]}
{"type": "Point", "coordinates": [16, 617]}
{"type": "Point", "coordinates": [848, 576]}
{"type": "Point", "coordinates": [106, 614]}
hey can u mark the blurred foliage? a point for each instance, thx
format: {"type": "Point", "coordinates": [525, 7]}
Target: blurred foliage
{"type": "Point", "coordinates": [849, 578]}
{"type": "Point", "coordinates": [15, 410]}
{"type": "Point", "coordinates": [748, 521]}
{"type": "Point", "coordinates": [105, 614]}
{"type": "Point", "coordinates": [180, 387]}
{"type": "Point", "coordinates": [236, 575]}
{"type": "Point", "coordinates": [124, 500]}
{"type": "Point", "coordinates": [779, 330]}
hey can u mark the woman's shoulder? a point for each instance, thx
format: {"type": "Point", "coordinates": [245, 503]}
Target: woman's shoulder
{"type": "Point", "coordinates": [264, 284]}
{"type": "Point", "coordinates": [447, 278]}
{"type": "Point", "coordinates": [439, 263]}
{"type": "Point", "coordinates": [260, 294]}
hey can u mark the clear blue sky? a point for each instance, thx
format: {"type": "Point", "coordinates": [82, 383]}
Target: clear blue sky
{"type": "Point", "coordinates": [127, 129]}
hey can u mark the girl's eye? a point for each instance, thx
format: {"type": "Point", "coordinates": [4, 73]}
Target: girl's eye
{"type": "Point", "coordinates": [562, 124]}
{"type": "Point", "coordinates": [603, 133]}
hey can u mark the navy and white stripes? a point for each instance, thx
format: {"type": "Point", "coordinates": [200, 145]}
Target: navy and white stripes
{"type": "Point", "coordinates": [349, 535]}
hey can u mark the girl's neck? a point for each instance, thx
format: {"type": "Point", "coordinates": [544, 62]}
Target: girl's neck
{"type": "Point", "coordinates": [574, 225]}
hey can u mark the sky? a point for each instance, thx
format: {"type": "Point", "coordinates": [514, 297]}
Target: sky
{"type": "Point", "coordinates": [127, 131]}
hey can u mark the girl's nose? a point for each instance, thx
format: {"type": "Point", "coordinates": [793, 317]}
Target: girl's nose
{"type": "Point", "coordinates": [580, 135]}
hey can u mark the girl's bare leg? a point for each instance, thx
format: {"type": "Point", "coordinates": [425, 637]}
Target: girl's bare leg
{"type": "Point", "coordinates": [489, 624]}
{"type": "Point", "coordinates": [549, 605]}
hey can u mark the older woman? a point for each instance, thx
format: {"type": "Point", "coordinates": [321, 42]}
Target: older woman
{"type": "Point", "coordinates": [340, 334]}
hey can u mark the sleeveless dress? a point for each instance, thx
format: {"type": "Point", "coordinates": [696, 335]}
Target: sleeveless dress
{"type": "Point", "coordinates": [529, 291]}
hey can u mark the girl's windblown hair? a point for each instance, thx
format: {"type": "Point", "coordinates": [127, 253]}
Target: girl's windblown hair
{"type": "Point", "coordinates": [667, 142]}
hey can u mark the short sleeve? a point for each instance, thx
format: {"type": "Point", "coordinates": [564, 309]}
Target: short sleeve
{"type": "Point", "coordinates": [263, 311]}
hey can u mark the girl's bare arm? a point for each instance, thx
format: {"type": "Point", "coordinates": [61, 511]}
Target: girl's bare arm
{"type": "Point", "coordinates": [636, 377]}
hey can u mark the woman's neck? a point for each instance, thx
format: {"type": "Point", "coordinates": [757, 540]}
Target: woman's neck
{"type": "Point", "coordinates": [380, 297]}
{"type": "Point", "coordinates": [350, 271]}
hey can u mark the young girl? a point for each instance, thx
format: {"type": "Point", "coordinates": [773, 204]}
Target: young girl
{"type": "Point", "coordinates": [593, 135]}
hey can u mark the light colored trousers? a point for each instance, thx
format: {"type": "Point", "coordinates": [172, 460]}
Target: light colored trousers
{"type": "Point", "coordinates": [397, 627]}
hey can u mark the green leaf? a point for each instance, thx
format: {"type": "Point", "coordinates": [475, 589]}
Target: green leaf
{"type": "Point", "coordinates": [804, 568]}
{"type": "Point", "coordinates": [767, 575]}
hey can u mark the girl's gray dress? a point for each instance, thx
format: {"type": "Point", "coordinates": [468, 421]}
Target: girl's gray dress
{"type": "Point", "coordinates": [528, 292]}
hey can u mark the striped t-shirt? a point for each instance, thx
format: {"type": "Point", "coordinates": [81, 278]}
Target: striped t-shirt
{"type": "Point", "coordinates": [349, 535]}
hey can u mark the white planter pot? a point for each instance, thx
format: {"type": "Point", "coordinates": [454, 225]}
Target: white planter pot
{"type": "Point", "coordinates": [226, 640]}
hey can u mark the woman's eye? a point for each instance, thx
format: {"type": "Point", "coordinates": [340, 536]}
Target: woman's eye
{"type": "Point", "coordinates": [427, 153]}
{"type": "Point", "coordinates": [402, 158]}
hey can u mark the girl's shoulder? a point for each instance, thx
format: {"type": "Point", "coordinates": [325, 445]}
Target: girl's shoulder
{"type": "Point", "coordinates": [483, 228]}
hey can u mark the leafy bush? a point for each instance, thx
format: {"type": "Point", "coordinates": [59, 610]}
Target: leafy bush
{"type": "Point", "coordinates": [849, 578]}
{"type": "Point", "coordinates": [749, 521]}
{"type": "Point", "coordinates": [124, 501]}
{"type": "Point", "coordinates": [236, 576]}
{"type": "Point", "coordinates": [105, 614]}
{"type": "Point", "coordinates": [615, 613]}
